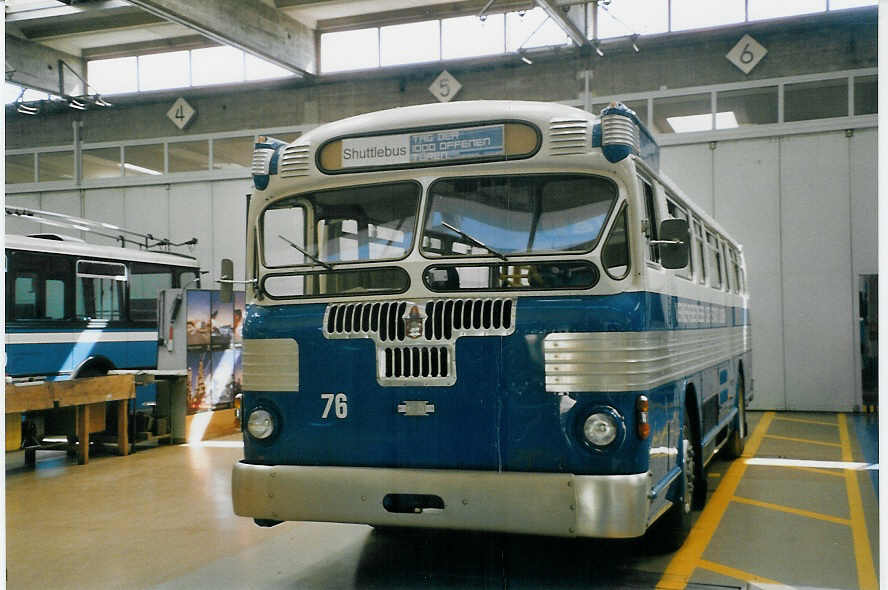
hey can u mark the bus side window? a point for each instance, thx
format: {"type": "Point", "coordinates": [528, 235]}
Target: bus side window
{"type": "Point", "coordinates": [701, 252]}
{"type": "Point", "coordinates": [145, 281]}
{"type": "Point", "coordinates": [40, 286]}
{"type": "Point", "coordinates": [651, 212]}
{"type": "Point", "coordinates": [615, 254]}
{"type": "Point", "coordinates": [101, 289]}
{"type": "Point", "coordinates": [25, 295]}
{"type": "Point", "coordinates": [716, 281]}
{"type": "Point", "coordinates": [676, 212]}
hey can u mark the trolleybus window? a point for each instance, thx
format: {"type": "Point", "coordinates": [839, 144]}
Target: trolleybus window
{"type": "Point", "coordinates": [40, 286]}
{"type": "Point", "coordinates": [100, 289]}
{"type": "Point", "coordinates": [506, 215]}
{"type": "Point", "coordinates": [145, 281]}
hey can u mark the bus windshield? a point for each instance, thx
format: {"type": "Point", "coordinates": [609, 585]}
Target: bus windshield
{"type": "Point", "coordinates": [528, 214]}
{"type": "Point", "coordinates": [351, 224]}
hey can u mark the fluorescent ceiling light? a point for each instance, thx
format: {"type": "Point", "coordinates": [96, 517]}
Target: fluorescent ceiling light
{"type": "Point", "coordinates": [690, 123]}
{"type": "Point", "coordinates": [141, 169]}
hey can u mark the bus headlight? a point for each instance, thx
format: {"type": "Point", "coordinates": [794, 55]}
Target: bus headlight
{"type": "Point", "coordinates": [600, 429]}
{"type": "Point", "coordinates": [260, 424]}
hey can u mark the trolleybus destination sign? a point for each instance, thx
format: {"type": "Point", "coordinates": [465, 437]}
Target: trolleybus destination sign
{"type": "Point", "coordinates": [426, 146]}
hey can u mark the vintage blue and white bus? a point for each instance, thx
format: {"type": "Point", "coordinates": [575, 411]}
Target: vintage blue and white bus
{"type": "Point", "coordinates": [75, 309]}
{"type": "Point", "coordinates": [490, 315]}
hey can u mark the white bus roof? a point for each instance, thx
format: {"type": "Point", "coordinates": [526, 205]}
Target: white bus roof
{"type": "Point", "coordinates": [79, 248]}
{"type": "Point", "coordinates": [431, 115]}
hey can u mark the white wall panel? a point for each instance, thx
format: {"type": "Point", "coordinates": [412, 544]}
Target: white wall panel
{"type": "Point", "coordinates": [864, 226]}
{"type": "Point", "coordinates": [105, 205]}
{"type": "Point", "coordinates": [229, 225]}
{"type": "Point", "coordinates": [19, 226]}
{"type": "Point", "coordinates": [147, 210]}
{"type": "Point", "coordinates": [690, 166]}
{"type": "Point", "coordinates": [864, 210]}
{"type": "Point", "coordinates": [816, 234]}
{"type": "Point", "coordinates": [190, 216]}
{"type": "Point", "coordinates": [747, 198]}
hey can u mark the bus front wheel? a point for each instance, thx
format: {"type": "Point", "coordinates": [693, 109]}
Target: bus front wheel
{"type": "Point", "coordinates": [675, 525]}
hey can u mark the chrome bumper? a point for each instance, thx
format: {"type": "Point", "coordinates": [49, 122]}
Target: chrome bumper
{"type": "Point", "coordinates": [565, 505]}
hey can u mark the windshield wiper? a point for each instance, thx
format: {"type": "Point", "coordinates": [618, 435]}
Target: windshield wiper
{"type": "Point", "coordinates": [475, 241]}
{"type": "Point", "coordinates": [314, 258]}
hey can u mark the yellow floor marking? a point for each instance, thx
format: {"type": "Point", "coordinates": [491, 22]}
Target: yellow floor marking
{"type": "Point", "coordinates": [790, 510]}
{"type": "Point", "coordinates": [735, 573]}
{"type": "Point", "coordinates": [806, 421]}
{"type": "Point", "coordinates": [686, 559]}
{"type": "Point", "coordinates": [714, 474]}
{"type": "Point", "coordinates": [802, 440]}
{"type": "Point", "coordinates": [863, 555]}
{"type": "Point", "coordinates": [820, 471]}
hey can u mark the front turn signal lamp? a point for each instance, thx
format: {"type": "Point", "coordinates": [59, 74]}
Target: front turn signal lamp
{"type": "Point", "coordinates": [641, 407]}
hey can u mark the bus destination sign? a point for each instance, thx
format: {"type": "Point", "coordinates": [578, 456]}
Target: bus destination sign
{"type": "Point", "coordinates": [427, 146]}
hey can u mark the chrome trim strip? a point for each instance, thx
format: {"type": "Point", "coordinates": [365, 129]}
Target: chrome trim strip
{"type": "Point", "coordinates": [564, 505]}
{"type": "Point", "coordinates": [630, 361]}
{"type": "Point", "coordinates": [665, 482]}
{"type": "Point", "coordinates": [271, 364]}
{"type": "Point", "coordinates": [718, 428]}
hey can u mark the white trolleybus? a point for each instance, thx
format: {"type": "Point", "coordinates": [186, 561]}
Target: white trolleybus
{"type": "Point", "coordinates": [487, 315]}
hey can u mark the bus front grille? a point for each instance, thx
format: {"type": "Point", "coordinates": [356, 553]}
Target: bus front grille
{"type": "Point", "coordinates": [416, 362]}
{"type": "Point", "coordinates": [445, 319]}
{"type": "Point", "coordinates": [419, 359]}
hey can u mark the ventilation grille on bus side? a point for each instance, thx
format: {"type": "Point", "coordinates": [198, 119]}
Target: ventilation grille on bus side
{"type": "Point", "coordinates": [568, 137]}
{"type": "Point", "coordinates": [261, 158]}
{"type": "Point", "coordinates": [295, 161]}
{"type": "Point", "coordinates": [445, 319]}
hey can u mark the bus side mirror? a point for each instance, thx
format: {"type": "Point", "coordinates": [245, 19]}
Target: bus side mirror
{"type": "Point", "coordinates": [674, 243]}
{"type": "Point", "coordinates": [226, 279]}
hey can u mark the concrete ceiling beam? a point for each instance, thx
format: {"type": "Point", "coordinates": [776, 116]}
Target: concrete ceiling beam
{"type": "Point", "coordinates": [37, 66]}
{"type": "Point", "coordinates": [250, 25]}
{"type": "Point", "coordinates": [556, 13]}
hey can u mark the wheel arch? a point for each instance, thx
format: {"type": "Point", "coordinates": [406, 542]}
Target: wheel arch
{"type": "Point", "coordinates": [94, 366]}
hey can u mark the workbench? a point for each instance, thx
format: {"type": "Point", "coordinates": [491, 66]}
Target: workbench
{"type": "Point", "coordinates": [88, 396]}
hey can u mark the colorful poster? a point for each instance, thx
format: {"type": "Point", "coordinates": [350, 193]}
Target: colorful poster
{"type": "Point", "coordinates": [198, 323]}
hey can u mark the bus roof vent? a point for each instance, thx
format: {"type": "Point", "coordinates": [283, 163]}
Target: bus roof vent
{"type": "Point", "coordinates": [568, 137]}
{"type": "Point", "coordinates": [296, 161]}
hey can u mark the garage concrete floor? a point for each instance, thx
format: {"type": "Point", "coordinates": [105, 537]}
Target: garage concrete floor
{"type": "Point", "coordinates": [799, 511]}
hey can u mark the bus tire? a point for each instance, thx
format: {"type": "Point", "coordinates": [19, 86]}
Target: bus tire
{"type": "Point", "coordinates": [675, 526]}
{"type": "Point", "coordinates": [737, 442]}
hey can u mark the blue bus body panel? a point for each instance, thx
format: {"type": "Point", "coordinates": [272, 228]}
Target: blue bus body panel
{"type": "Point", "coordinates": [55, 358]}
{"type": "Point", "coordinates": [498, 415]}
